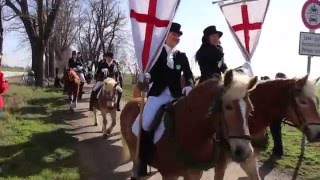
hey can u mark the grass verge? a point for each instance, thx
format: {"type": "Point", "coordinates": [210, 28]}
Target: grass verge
{"type": "Point", "coordinates": [310, 164]}
{"type": "Point", "coordinates": [33, 141]}
{"type": "Point", "coordinates": [12, 69]}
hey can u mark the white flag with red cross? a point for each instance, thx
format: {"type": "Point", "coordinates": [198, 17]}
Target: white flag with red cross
{"type": "Point", "coordinates": [245, 19]}
{"type": "Point", "coordinates": [150, 20]}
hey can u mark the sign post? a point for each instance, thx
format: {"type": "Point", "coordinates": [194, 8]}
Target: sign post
{"type": "Point", "coordinates": [311, 18]}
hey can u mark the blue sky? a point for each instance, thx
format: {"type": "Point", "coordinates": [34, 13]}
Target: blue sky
{"type": "Point", "coordinates": [277, 50]}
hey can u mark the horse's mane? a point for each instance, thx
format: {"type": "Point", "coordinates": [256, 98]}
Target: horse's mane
{"type": "Point", "coordinates": [73, 75]}
{"type": "Point", "coordinates": [310, 88]}
{"type": "Point", "coordinates": [109, 84]}
{"type": "Point", "coordinates": [238, 87]}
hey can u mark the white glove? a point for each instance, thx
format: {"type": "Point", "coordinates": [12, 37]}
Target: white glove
{"type": "Point", "coordinates": [186, 90]}
{"type": "Point", "coordinates": [143, 77]}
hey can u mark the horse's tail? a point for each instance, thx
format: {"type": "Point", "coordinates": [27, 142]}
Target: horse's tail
{"type": "Point", "coordinates": [125, 150]}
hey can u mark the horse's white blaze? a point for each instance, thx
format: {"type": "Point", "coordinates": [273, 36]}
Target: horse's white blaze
{"type": "Point", "coordinates": [243, 108]}
{"type": "Point", "coordinates": [314, 99]}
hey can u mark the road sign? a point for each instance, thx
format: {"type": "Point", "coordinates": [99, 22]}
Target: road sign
{"type": "Point", "coordinates": [311, 14]}
{"type": "Point", "coordinates": [309, 44]}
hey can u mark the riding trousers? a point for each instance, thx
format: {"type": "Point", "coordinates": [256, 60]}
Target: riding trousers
{"type": "Point", "coordinates": [81, 76]}
{"type": "Point", "coordinates": [152, 106]}
{"type": "Point", "coordinates": [97, 86]}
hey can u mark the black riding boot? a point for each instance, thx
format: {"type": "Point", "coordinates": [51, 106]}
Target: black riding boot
{"type": "Point", "coordinates": [275, 129]}
{"type": "Point", "coordinates": [145, 154]}
{"type": "Point", "coordinates": [118, 101]}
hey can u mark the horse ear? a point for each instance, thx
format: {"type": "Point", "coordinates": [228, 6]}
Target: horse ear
{"type": "Point", "coordinates": [316, 80]}
{"type": "Point", "coordinates": [301, 81]}
{"type": "Point", "coordinates": [228, 77]}
{"type": "Point", "coordinates": [115, 85]}
{"type": "Point", "coordinates": [252, 83]}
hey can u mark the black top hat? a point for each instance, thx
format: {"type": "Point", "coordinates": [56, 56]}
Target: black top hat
{"type": "Point", "coordinates": [211, 30]}
{"type": "Point", "coordinates": [74, 52]}
{"type": "Point", "coordinates": [175, 27]}
{"type": "Point", "coordinates": [108, 54]}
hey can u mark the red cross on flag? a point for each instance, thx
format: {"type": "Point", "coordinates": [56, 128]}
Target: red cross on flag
{"type": "Point", "coordinates": [150, 21]}
{"type": "Point", "coordinates": [245, 19]}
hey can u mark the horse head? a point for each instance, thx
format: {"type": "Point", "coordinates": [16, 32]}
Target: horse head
{"type": "Point", "coordinates": [236, 108]}
{"type": "Point", "coordinates": [110, 85]}
{"type": "Point", "coordinates": [302, 108]}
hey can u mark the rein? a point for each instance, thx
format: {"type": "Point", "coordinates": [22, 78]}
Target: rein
{"type": "Point", "coordinates": [216, 107]}
{"type": "Point", "coordinates": [301, 120]}
{"type": "Point", "coordinates": [180, 154]}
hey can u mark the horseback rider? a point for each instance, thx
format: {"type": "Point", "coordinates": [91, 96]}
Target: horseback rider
{"type": "Point", "coordinates": [210, 55]}
{"type": "Point", "coordinates": [106, 63]}
{"type": "Point", "coordinates": [76, 62]}
{"type": "Point", "coordinates": [166, 86]}
{"type": "Point", "coordinates": [119, 78]}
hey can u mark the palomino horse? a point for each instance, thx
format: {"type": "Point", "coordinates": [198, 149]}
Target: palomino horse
{"type": "Point", "coordinates": [292, 99]}
{"type": "Point", "coordinates": [199, 127]}
{"type": "Point", "coordinates": [71, 85]}
{"type": "Point", "coordinates": [106, 104]}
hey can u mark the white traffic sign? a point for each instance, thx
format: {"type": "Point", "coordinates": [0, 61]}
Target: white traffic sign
{"type": "Point", "coordinates": [309, 44]}
{"type": "Point", "coordinates": [311, 14]}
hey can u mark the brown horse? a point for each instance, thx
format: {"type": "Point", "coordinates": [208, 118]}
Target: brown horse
{"type": "Point", "coordinates": [292, 99]}
{"type": "Point", "coordinates": [210, 120]}
{"type": "Point", "coordinates": [71, 85]}
{"type": "Point", "coordinates": [106, 104]}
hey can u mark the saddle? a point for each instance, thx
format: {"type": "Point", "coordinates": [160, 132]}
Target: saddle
{"type": "Point", "coordinates": [147, 147]}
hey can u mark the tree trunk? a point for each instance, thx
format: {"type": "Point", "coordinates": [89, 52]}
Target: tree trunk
{"type": "Point", "coordinates": [37, 62]}
{"type": "Point", "coordinates": [1, 31]}
{"type": "Point", "coordinates": [52, 63]}
{"type": "Point", "coordinates": [46, 65]}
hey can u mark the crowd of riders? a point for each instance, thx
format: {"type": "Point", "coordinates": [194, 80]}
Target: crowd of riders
{"type": "Point", "coordinates": [106, 67]}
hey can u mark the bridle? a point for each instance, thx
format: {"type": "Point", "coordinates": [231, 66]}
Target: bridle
{"type": "Point", "coordinates": [301, 119]}
{"type": "Point", "coordinates": [217, 107]}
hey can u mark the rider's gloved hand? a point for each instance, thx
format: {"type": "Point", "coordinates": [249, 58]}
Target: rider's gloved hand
{"type": "Point", "coordinates": [186, 90]}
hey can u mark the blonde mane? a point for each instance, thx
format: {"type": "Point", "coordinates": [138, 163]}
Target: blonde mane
{"type": "Point", "coordinates": [109, 84]}
{"type": "Point", "coordinates": [310, 88]}
{"type": "Point", "coordinates": [238, 87]}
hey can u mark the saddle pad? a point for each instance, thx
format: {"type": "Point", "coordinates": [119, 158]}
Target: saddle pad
{"type": "Point", "coordinates": [158, 132]}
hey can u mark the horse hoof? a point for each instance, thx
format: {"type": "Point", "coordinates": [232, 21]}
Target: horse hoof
{"type": "Point", "coordinates": [95, 124]}
{"type": "Point", "coordinates": [104, 136]}
{"type": "Point", "coordinates": [132, 178]}
{"type": "Point", "coordinates": [108, 131]}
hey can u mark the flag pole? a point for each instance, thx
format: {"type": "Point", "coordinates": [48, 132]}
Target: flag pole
{"type": "Point", "coordinates": [143, 84]}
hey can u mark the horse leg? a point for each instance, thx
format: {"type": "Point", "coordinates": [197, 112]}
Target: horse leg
{"type": "Point", "coordinates": [251, 168]}
{"type": "Point", "coordinates": [221, 167]}
{"type": "Point", "coordinates": [113, 114]}
{"type": "Point", "coordinates": [104, 123]}
{"type": "Point", "coordinates": [95, 116]}
{"type": "Point", "coordinates": [75, 98]}
{"type": "Point", "coordinates": [193, 175]}
{"type": "Point", "coordinates": [70, 101]}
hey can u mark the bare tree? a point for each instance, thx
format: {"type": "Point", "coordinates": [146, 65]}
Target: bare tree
{"type": "Point", "coordinates": [103, 28]}
{"type": "Point", "coordinates": [37, 17]}
{"type": "Point", "coordinates": [1, 30]}
{"type": "Point", "coordinates": [65, 30]}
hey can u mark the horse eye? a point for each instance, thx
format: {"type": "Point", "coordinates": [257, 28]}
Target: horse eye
{"type": "Point", "coordinates": [302, 102]}
{"type": "Point", "coordinates": [228, 107]}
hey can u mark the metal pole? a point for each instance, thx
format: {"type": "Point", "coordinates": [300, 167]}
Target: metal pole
{"type": "Point", "coordinates": [303, 140]}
